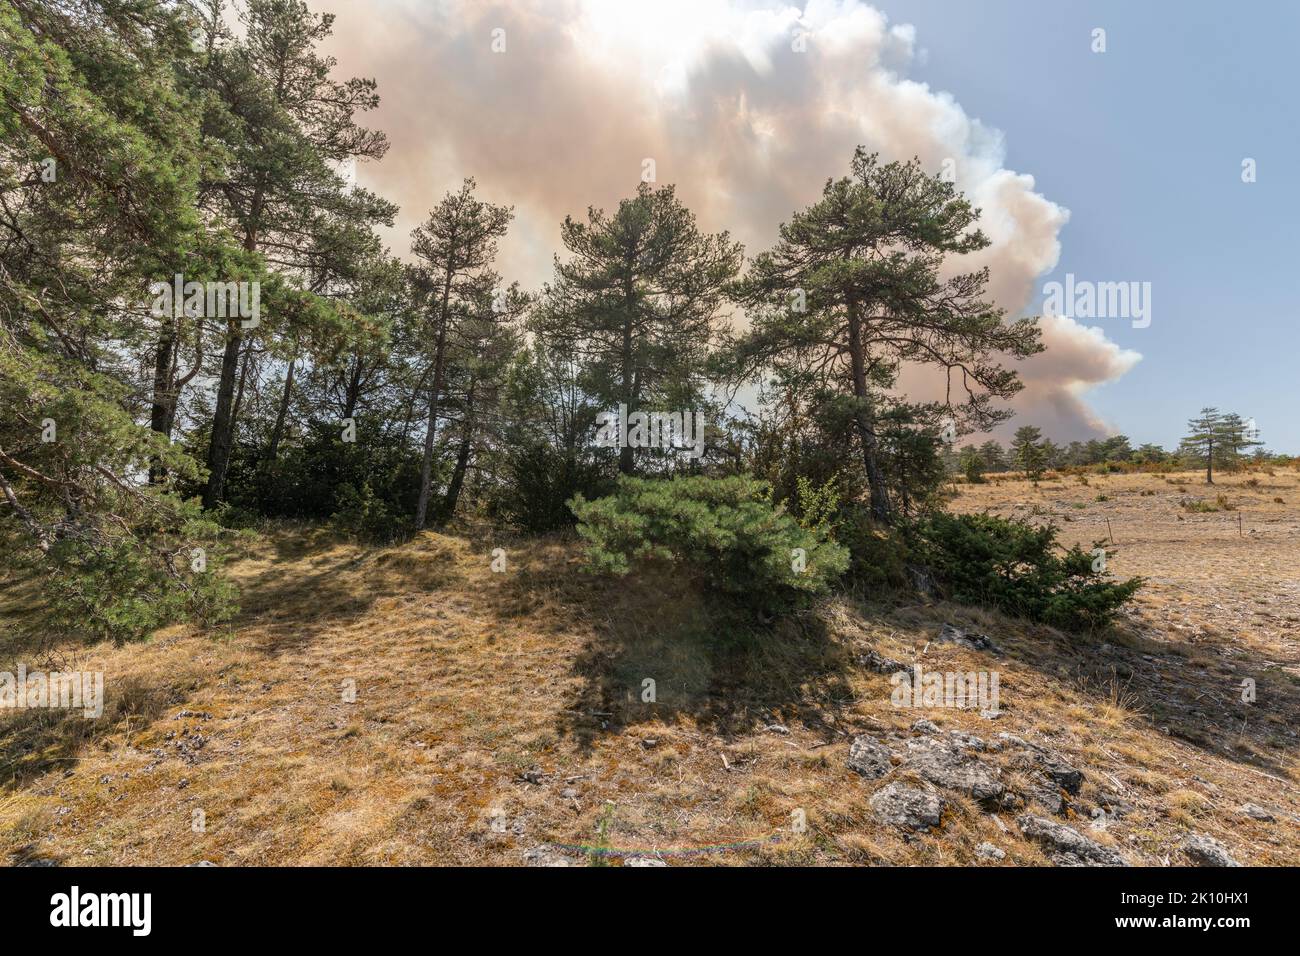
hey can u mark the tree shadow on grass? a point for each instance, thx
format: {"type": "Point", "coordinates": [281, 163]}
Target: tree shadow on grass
{"type": "Point", "coordinates": [657, 647]}
{"type": "Point", "coordinates": [288, 604]}
{"type": "Point", "coordinates": [1192, 693]}
{"type": "Point", "coordinates": [325, 582]}
{"type": "Point", "coordinates": [1237, 706]}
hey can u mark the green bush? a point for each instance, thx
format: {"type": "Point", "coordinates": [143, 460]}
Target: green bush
{"type": "Point", "coordinates": [538, 482]}
{"type": "Point", "coordinates": [363, 515]}
{"type": "Point", "coordinates": [878, 557]}
{"type": "Point", "coordinates": [725, 531]}
{"type": "Point", "coordinates": [121, 584]}
{"type": "Point", "coordinates": [1018, 568]}
{"type": "Point", "coordinates": [320, 476]}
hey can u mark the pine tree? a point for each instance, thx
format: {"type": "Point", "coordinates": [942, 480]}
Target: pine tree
{"type": "Point", "coordinates": [456, 246]}
{"type": "Point", "coordinates": [971, 463]}
{"type": "Point", "coordinates": [1204, 441]}
{"type": "Point", "coordinates": [1150, 454]}
{"type": "Point", "coordinates": [638, 302]}
{"type": "Point", "coordinates": [854, 287]}
{"type": "Point", "coordinates": [286, 126]}
{"type": "Point", "coordinates": [98, 180]}
{"type": "Point", "coordinates": [1027, 452]}
{"type": "Point", "coordinates": [993, 456]}
{"type": "Point", "coordinates": [1236, 435]}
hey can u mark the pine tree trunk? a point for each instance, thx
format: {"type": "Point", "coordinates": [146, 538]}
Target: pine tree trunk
{"type": "Point", "coordinates": [223, 421]}
{"type": "Point", "coordinates": [282, 412]}
{"type": "Point", "coordinates": [462, 462]}
{"type": "Point", "coordinates": [426, 469]}
{"type": "Point", "coordinates": [160, 417]}
{"type": "Point", "coordinates": [626, 458]}
{"type": "Point", "coordinates": [880, 508]}
{"type": "Point", "coordinates": [353, 394]}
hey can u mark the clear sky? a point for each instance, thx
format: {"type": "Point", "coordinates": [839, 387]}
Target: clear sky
{"type": "Point", "coordinates": [1143, 144]}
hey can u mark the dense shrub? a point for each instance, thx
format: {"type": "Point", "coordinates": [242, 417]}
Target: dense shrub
{"type": "Point", "coordinates": [725, 531]}
{"type": "Point", "coordinates": [362, 515]}
{"type": "Point", "coordinates": [878, 557]}
{"type": "Point", "coordinates": [1018, 568]}
{"type": "Point", "coordinates": [122, 583]}
{"type": "Point", "coordinates": [368, 487]}
{"type": "Point", "coordinates": [539, 481]}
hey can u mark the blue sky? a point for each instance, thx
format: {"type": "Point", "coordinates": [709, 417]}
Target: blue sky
{"type": "Point", "coordinates": [1143, 144]}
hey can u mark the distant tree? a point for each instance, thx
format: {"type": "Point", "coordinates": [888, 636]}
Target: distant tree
{"type": "Point", "coordinates": [972, 464]}
{"type": "Point", "coordinates": [1053, 454]}
{"type": "Point", "coordinates": [1203, 443]}
{"type": "Point", "coordinates": [993, 456]}
{"type": "Point", "coordinates": [1117, 448]}
{"type": "Point", "coordinates": [1027, 452]}
{"type": "Point", "coordinates": [1150, 454]}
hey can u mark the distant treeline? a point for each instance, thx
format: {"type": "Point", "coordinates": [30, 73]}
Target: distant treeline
{"type": "Point", "coordinates": [1215, 440]}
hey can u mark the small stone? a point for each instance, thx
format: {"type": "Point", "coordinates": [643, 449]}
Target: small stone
{"type": "Point", "coordinates": [1206, 851]}
{"type": "Point", "coordinates": [948, 765]}
{"type": "Point", "coordinates": [950, 634]}
{"type": "Point", "coordinates": [987, 851]}
{"type": "Point", "coordinates": [877, 662]}
{"type": "Point", "coordinates": [1115, 805]}
{"type": "Point", "coordinates": [200, 863]}
{"type": "Point", "coordinates": [969, 741]}
{"type": "Point", "coordinates": [544, 855]}
{"type": "Point", "coordinates": [1065, 846]}
{"type": "Point", "coordinates": [869, 758]}
{"type": "Point", "coordinates": [925, 727]}
{"type": "Point", "coordinates": [1256, 812]}
{"type": "Point", "coordinates": [1050, 800]}
{"type": "Point", "coordinates": [907, 807]}
{"type": "Point", "coordinates": [643, 861]}
{"type": "Point", "coordinates": [1068, 778]}
{"type": "Point", "coordinates": [773, 729]}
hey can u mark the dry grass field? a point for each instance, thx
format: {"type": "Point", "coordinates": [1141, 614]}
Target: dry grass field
{"type": "Point", "coordinates": [498, 718]}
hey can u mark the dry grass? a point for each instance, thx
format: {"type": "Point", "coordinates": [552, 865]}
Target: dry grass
{"type": "Point", "coordinates": [495, 712]}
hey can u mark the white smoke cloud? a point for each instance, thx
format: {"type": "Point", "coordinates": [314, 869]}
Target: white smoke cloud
{"type": "Point", "coordinates": [747, 108]}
